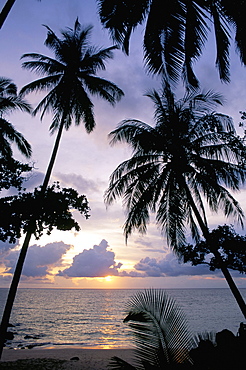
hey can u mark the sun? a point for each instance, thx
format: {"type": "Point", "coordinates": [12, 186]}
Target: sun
{"type": "Point", "coordinates": [108, 279]}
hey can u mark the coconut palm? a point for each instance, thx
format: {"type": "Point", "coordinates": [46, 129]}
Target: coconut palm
{"type": "Point", "coordinates": [176, 32]}
{"type": "Point", "coordinates": [10, 102]}
{"type": "Point", "coordinates": [70, 78]}
{"type": "Point", "coordinates": [190, 157]}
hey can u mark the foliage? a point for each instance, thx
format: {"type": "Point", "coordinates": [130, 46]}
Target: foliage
{"type": "Point", "coordinates": [162, 339]}
{"type": "Point", "coordinates": [41, 212]}
{"type": "Point", "coordinates": [70, 77]}
{"type": "Point", "coordinates": [176, 32]}
{"type": "Point", "coordinates": [231, 246]}
{"type": "Point", "coordinates": [11, 173]}
{"type": "Point", "coordinates": [192, 155]}
{"type": "Point", "coordinates": [11, 169]}
{"type": "Point", "coordinates": [160, 330]}
{"type": "Point", "coordinates": [10, 101]}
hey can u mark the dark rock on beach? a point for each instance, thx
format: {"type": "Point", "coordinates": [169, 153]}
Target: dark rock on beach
{"type": "Point", "coordinates": [9, 335]}
{"type": "Point", "coordinates": [74, 358]}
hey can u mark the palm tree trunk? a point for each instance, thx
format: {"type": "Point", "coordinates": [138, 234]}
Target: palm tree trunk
{"type": "Point", "coordinates": [23, 252]}
{"type": "Point", "coordinates": [5, 11]}
{"type": "Point", "coordinates": [13, 290]}
{"type": "Point", "coordinates": [224, 269]}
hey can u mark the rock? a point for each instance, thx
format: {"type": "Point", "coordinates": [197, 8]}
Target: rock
{"type": "Point", "coordinates": [9, 335]}
{"type": "Point", "coordinates": [74, 358]}
{"type": "Point", "coordinates": [31, 336]}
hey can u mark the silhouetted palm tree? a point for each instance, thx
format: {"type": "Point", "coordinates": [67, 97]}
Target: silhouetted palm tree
{"type": "Point", "coordinates": [176, 32]}
{"type": "Point", "coordinates": [191, 156]}
{"type": "Point", "coordinates": [9, 102]}
{"type": "Point", "coordinates": [69, 79]}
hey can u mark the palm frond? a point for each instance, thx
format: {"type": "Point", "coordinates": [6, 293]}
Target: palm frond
{"type": "Point", "coordinates": [9, 134]}
{"type": "Point", "coordinates": [222, 36]}
{"type": "Point", "coordinates": [160, 329]}
{"type": "Point", "coordinates": [42, 84]}
{"type": "Point", "coordinates": [7, 87]}
{"type": "Point", "coordinates": [103, 88]}
{"type": "Point", "coordinates": [69, 76]}
{"type": "Point", "coordinates": [134, 132]}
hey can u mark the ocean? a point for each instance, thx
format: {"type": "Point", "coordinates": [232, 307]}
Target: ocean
{"type": "Point", "coordinates": [93, 318]}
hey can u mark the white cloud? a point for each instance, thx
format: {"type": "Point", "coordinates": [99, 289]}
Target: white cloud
{"type": "Point", "coordinates": [39, 259]}
{"type": "Point", "coordinates": [94, 262]}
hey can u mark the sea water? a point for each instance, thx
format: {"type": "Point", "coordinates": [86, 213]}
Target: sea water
{"type": "Point", "coordinates": [94, 318]}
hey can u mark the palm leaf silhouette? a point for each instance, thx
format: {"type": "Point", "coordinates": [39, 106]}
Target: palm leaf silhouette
{"type": "Point", "coordinates": [160, 331]}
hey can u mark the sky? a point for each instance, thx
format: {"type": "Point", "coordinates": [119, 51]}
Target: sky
{"type": "Point", "coordinates": [97, 256]}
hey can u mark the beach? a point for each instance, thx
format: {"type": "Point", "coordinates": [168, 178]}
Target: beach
{"type": "Point", "coordinates": [69, 358]}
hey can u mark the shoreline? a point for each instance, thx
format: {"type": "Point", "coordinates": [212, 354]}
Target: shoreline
{"type": "Point", "coordinates": [71, 357]}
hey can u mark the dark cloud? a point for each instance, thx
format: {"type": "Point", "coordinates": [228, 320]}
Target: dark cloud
{"type": "Point", "coordinates": [79, 182]}
{"type": "Point", "coordinates": [34, 180]}
{"type": "Point", "coordinates": [5, 246]}
{"type": "Point", "coordinates": [39, 259]}
{"type": "Point", "coordinates": [155, 250]}
{"type": "Point", "coordinates": [170, 266]}
{"type": "Point", "coordinates": [95, 262]}
{"type": "Point", "coordinates": [143, 242]}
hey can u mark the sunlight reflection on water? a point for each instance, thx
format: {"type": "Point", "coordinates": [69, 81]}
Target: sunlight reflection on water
{"type": "Point", "coordinates": [94, 318]}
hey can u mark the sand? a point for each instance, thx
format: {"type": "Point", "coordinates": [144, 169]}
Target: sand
{"type": "Point", "coordinates": [72, 358]}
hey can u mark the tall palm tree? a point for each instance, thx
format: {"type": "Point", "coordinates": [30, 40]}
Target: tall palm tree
{"type": "Point", "coordinates": [9, 102]}
{"type": "Point", "coordinates": [176, 32]}
{"type": "Point", "coordinates": [69, 79]}
{"type": "Point", "coordinates": [189, 158]}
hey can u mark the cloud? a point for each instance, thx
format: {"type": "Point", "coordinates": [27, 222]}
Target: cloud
{"type": "Point", "coordinates": [95, 262]}
{"type": "Point", "coordinates": [34, 180]}
{"type": "Point", "coordinates": [170, 266]}
{"type": "Point", "coordinates": [5, 246]}
{"type": "Point", "coordinates": [39, 259]}
{"type": "Point", "coordinates": [79, 182]}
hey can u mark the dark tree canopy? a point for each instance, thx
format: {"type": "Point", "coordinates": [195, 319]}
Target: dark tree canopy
{"type": "Point", "coordinates": [231, 246]}
{"type": "Point", "coordinates": [12, 173]}
{"type": "Point", "coordinates": [42, 211]}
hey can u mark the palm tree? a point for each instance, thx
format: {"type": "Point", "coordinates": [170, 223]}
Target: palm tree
{"type": "Point", "coordinates": [190, 157]}
{"type": "Point", "coordinates": [176, 32]}
{"type": "Point", "coordinates": [69, 79]}
{"type": "Point", "coordinates": [9, 102]}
